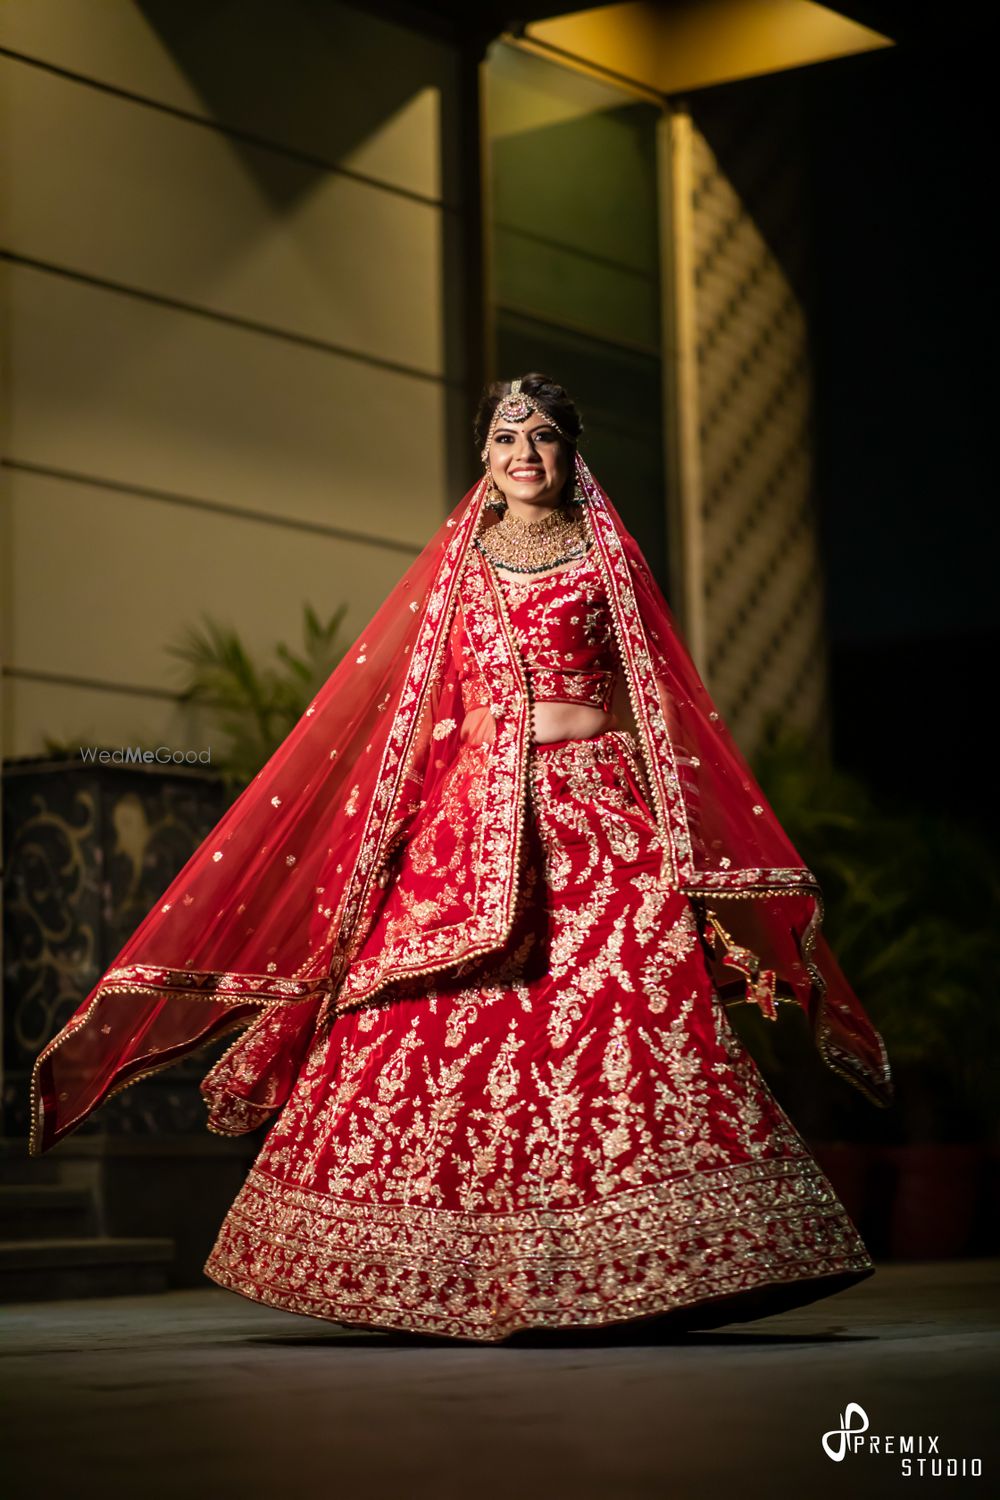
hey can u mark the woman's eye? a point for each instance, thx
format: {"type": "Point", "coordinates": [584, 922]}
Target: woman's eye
{"type": "Point", "coordinates": [533, 437]}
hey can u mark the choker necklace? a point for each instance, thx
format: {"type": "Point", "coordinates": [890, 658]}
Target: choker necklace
{"type": "Point", "coordinates": [534, 546]}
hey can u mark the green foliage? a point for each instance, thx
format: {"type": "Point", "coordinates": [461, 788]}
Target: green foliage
{"type": "Point", "coordinates": [911, 907]}
{"type": "Point", "coordinates": [253, 707]}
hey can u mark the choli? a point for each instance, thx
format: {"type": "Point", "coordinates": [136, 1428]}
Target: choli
{"type": "Point", "coordinates": [562, 624]}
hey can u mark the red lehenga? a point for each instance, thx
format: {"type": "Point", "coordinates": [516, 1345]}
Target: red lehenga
{"type": "Point", "coordinates": [484, 979]}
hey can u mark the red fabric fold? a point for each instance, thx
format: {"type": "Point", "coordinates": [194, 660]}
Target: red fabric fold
{"type": "Point", "coordinates": [266, 926]}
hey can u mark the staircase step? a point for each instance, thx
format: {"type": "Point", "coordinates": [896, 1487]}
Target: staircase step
{"type": "Point", "coordinates": [50, 1270]}
{"type": "Point", "coordinates": [41, 1211]}
{"type": "Point", "coordinates": [17, 1166]}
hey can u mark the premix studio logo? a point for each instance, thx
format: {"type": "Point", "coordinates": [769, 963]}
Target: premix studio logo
{"type": "Point", "coordinates": [918, 1454]}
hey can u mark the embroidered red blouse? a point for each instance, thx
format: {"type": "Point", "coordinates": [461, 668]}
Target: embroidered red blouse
{"type": "Point", "coordinates": [562, 624]}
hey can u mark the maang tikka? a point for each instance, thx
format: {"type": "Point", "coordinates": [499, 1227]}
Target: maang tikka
{"type": "Point", "coordinates": [517, 406]}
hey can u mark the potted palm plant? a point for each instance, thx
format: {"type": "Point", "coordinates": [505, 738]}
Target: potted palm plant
{"type": "Point", "coordinates": [253, 707]}
{"type": "Point", "coordinates": [911, 903]}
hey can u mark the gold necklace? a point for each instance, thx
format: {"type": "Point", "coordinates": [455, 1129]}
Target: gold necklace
{"type": "Point", "coordinates": [535, 546]}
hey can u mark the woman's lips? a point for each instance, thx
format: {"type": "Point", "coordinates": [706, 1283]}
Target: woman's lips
{"type": "Point", "coordinates": [527, 473]}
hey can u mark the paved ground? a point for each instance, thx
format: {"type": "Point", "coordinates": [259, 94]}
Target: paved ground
{"type": "Point", "coordinates": [201, 1394]}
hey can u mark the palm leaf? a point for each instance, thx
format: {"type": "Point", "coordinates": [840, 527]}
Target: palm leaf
{"type": "Point", "coordinates": [252, 707]}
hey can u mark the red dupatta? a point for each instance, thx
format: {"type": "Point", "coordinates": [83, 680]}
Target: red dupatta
{"type": "Point", "coordinates": [268, 926]}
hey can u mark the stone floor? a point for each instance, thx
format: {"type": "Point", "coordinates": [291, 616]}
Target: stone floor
{"type": "Point", "coordinates": [200, 1394]}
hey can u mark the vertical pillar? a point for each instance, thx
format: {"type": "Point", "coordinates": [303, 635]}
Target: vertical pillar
{"type": "Point", "coordinates": [681, 406]}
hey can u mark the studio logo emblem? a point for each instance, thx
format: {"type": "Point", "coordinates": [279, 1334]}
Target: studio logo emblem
{"type": "Point", "coordinates": [852, 1424]}
{"type": "Point", "coordinates": [918, 1453]}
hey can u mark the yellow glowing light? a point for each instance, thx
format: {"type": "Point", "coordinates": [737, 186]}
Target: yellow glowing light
{"type": "Point", "coordinates": [688, 44]}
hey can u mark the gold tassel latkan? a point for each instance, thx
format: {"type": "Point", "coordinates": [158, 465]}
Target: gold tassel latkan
{"type": "Point", "coordinates": [760, 983]}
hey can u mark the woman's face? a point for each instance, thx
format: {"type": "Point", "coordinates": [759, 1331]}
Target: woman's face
{"type": "Point", "coordinates": [529, 461]}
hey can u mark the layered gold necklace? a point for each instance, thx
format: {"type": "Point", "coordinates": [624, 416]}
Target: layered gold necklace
{"type": "Point", "coordinates": [535, 546]}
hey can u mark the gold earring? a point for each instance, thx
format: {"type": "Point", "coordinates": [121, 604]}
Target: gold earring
{"type": "Point", "coordinates": [495, 498]}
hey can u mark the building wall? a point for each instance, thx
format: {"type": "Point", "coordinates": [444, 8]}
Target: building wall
{"type": "Point", "coordinates": [574, 256]}
{"type": "Point", "coordinates": [756, 603]}
{"type": "Point", "coordinates": [233, 338]}
{"type": "Point", "coordinates": [655, 260]}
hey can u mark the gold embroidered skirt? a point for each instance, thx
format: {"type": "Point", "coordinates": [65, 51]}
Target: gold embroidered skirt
{"type": "Point", "coordinates": [565, 1136]}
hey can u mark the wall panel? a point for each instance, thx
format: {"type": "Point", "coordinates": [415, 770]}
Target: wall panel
{"type": "Point", "coordinates": [233, 317]}
{"type": "Point", "coordinates": [121, 389]}
{"type": "Point", "coordinates": [312, 75]}
{"type": "Point", "coordinates": [141, 198]}
{"type": "Point", "coordinates": [175, 564]}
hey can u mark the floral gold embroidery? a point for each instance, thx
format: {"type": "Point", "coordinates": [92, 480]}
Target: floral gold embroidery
{"type": "Point", "coordinates": [561, 1132]}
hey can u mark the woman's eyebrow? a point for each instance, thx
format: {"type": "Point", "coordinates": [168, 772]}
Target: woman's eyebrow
{"type": "Point", "coordinates": [542, 427]}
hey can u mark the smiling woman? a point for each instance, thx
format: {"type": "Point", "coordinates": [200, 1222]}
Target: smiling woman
{"type": "Point", "coordinates": [530, 470]}
{"type": "Point", "coordinates": [478, 947]}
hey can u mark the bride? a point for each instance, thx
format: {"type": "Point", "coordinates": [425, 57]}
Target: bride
{"type": "Point", "coordinates": [477, 921]}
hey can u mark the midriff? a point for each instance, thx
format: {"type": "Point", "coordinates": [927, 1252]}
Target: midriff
{"type": "Point", "coordinates": [568, 721]}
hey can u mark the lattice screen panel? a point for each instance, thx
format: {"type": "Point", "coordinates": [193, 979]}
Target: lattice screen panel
{"type": "Point", "coordinates": [762, 582]}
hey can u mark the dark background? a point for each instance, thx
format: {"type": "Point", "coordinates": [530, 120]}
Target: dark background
{"type": "Point", "coordinates": [894, 181]}
{"type": "Point", "coordinates": [901, 311]}
{"type": "Point", "coordinates": [896, 171]}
